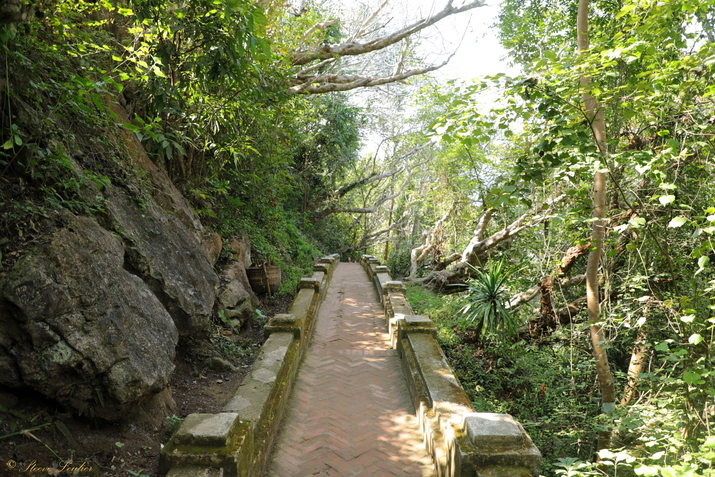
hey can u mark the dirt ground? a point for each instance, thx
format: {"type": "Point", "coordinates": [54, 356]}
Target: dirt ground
{"type": "Point", "coordinates": [38, 438]}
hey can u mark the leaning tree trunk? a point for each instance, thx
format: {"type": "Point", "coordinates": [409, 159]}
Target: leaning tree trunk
{"type": "Point", "coordinates": [636, 366]}
{"type": "Point", "coordinates": [594, 112]}
{"type": "Point", "coordinates": [433, 240]}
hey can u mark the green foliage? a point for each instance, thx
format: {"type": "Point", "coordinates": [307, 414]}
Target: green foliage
{"type": "Point", "coordinates": [399, 263]}
{"type": "Point", "coordinates": [486, 298]}
{"type": "Point", "coordinates": [327, 149]}
{"type": "Point", "coordinates": [276, 238]}
{"type": "Point", "coordinates": [173, 423]}
{"type": "Point", "coordinates": [649, 63]}
{"type": "Point", "coordinates": [548, 387]}
{"type": "Point", "coordinates": [54, 114]}
{"type": "Point", "coordinates": [235, 351]}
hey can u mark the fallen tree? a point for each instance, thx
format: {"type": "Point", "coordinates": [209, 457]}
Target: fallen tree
{"type": "Point", "coordinates": [480, 247]}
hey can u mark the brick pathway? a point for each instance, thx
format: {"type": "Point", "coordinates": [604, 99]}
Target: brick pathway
{"type": "Point", "coordinates": [350, 413]}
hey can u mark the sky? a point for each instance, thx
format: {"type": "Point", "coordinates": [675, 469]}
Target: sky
{"type": "Point", "coordinates": [478, 52]}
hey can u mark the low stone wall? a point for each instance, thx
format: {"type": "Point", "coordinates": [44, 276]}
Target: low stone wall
{"type": "Point", "coordinates": [237, 441]}
{"type": "Point", "coordinates": [462, 442]}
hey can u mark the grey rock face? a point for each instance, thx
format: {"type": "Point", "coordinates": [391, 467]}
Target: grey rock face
{"type": "Point", "coordinates": [236, 299]}
{"type": "Point", "coordinates": [79, 328]}
{"type": "Point", "coordinates": [168, 258]}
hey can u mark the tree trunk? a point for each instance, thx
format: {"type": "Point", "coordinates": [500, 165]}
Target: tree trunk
{"type": "Point", "coordinates": [479, 248]}
{"type": "Point", "coordinates": [433, 239]}
{"type": "Point", "coordinates": [594, 112]}
{"type": "Point", "coordinates": [386, 253]}
{"type": "Point", "coordinates": [639, 356]}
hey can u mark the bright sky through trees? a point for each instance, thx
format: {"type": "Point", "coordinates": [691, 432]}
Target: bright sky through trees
{"type": "Point", "coordinates": [478, 52]}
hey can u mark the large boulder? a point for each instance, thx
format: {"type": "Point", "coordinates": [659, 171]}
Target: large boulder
{"type": "Point", "coordinates": [79, 328]}
{"type": "Point", "coordinates": [167, 257]}
{"type": "Point", "coordinates": [236, 300]}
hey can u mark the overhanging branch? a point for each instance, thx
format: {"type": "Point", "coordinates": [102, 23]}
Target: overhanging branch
{"type": "Point", "coordinates": [352, 48]}
{"type": "Point", "coordinates": [317, 84]}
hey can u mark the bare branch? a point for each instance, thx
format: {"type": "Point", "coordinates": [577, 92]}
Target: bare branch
{"type": "Point", "coordinates": [317, 84]}
{"type": "Point", "coordinates": [475, 252]}
{"type": "Point", "coordinates": [482, 224]}
{"type": "Point", "coordinates": [316, 216]}
{"type": "Point", "coordinates": [316, 66]}
{"type": "Point", "coordinates": [352, 48]}
{"type": "Point", "coordinates": [360, 31]}
{"type": "Point", "coordinates": [432, 240]}
{"type": "Point", "coordinates": [373, 176]}
{"type": "Point", "coordinates": [528, 295]}
{"type": "Point", "coordinates": [373, 235]}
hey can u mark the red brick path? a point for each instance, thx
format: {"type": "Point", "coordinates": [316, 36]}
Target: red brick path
{"type": "Point", "coordinates": [350, 413]}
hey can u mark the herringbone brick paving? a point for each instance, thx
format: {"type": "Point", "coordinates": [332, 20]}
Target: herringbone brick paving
{"type": "Point", "coordinates": [350, 413]}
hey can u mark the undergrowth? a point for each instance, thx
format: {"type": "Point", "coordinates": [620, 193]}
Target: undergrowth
{"type": "Point", "coordinates": [550, 387]}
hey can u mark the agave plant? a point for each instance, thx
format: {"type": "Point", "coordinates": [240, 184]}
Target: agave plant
{"type": "Point", "coordinates": [485, 307]}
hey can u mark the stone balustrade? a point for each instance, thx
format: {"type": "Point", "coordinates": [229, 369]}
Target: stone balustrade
{"type": "Point", "coordinates": [462, 442]}
{"type": "Point", "coordinates": [237, 441]}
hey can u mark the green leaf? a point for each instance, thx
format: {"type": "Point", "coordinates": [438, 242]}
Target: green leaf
{"type": "Point", "coordinates": [637, 222]}
{"type": "Point", "coordinates": [662, 346]}
{"type": "Point", "coordinates": [8, 144]}
{"type": "Point", "coordinates": [691, 378]}
{"type": "Point", "coordinates": [703, 262]}
{"type": "Point", "coordinates": [677, 222]}
{"type": "Point", "coordinates": [626, 9]}
{"type": "Point", "coordinates": [695, 339]}
{"type": "Point", "coordinates": [666, 199]}
{"type": "Point", "coordinates": [645, 470]}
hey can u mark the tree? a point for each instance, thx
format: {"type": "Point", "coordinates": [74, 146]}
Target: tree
{"type": "Point", "coordinates": [595, 116]}
{"type": "Point", "coordinates": [318, 67]}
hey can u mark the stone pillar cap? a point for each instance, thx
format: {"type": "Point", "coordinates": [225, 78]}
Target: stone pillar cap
{"type": "Point", "coordinates": [209, 430]}
{"type": "Point", "coordinates": [283, 319]}
{"type": "Point", "coordinates": [486, 429]}
{"type": "Point", "coordinates": [394, 285]}
{"type": "Point", "coordinates": [418, 321]}
{"type": "Point", "coordinates": [309, 282]}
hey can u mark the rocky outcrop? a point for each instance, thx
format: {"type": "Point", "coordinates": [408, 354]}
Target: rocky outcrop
{"type": "Point", "coordinates": [12, 11]}
{"type": "Point", "coordinates": [78, 327]}
{"type": "Point", "coordinates": [236, 300]}
{"type": "Point", "coordinates": [163, 192]}
{"type": "Point", "coordinates": [91, 308]}
{"type": "Point", "coordinates": [167, 257]}
{"type": "Point", "coordinates": [212, 245]}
